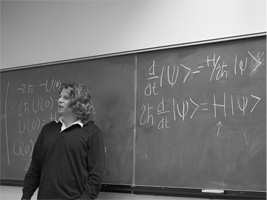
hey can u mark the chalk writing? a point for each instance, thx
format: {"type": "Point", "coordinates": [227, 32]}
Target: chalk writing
{"type": "Point", "coordinates": [23, 148]}
{"type": "Point", "coordinates": [26, 107]}
{"type": "Point", "coordinates": [25, 113]}
{"type": "Point", "coordinates": [219, 127]}
{"type": "Point", "coordinates": [182, 109]}
{"type": "Point", "coordinates": [54, 85]}
{"type": "Point", "coordinates": [220, 105]}
{"type": "Point", "coordinates": [25, 88]}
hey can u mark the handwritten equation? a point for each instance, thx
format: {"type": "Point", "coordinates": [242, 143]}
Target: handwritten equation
{"type": "Point", "coordinates": [27, 107]}
{"type": "Point", "coordinates": [175, 108]}
{"type": "Point", "coordinates": [170, 109]}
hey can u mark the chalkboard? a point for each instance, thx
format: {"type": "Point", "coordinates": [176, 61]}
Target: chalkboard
{"type": "Point", "coordinates": [201, 116]}
{"type": "Point", "coordinates": [189, 116]}
{"type": "Point", "coordinates": [28, 101]}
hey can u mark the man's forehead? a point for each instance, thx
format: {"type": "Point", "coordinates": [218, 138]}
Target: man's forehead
{"type": "Point", "coordinates": [65, 91]}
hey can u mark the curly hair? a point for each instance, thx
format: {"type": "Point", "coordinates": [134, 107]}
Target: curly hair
{"type": "Point", "coordinates": [80, 101]}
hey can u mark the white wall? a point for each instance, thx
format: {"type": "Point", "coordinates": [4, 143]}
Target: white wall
{"type": "Point", "coordinates": [34, 32]}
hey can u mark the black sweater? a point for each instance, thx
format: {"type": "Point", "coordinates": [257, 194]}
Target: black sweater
{"type": "Point", "coordinates": [66, 165]}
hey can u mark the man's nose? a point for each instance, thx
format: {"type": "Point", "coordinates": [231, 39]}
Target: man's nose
{"type": "Point", "coordinates": [59, 100]}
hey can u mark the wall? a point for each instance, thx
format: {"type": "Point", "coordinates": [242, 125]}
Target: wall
{"type": "Point", "coordinates": [34, 32]}
{"type": "Point", "coordinates": [43, 31]}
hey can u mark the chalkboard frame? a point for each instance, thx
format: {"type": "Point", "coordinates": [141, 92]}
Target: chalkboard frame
{"type": "Point", "coordinates": [135, 52]}
{"type": "Point", "coordinates": [162, 191]}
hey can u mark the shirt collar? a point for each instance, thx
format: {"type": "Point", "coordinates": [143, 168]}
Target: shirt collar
{"type": "Point", "coordinates": [63, 126]}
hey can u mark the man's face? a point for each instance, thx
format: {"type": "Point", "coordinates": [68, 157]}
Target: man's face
{"type": "Point", "coordinates": [63, 102]}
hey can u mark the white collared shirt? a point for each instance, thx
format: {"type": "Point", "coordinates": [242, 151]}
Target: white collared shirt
{"type": "Point", "coordinates": [63, 127]}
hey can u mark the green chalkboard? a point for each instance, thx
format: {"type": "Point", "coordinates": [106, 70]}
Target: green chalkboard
{"type": "Point", "coordinates": [190, 116]}
{"type": "Point", "coordinates": [201, 116]}
{"type": "Point", "coordinates": [28, 101]}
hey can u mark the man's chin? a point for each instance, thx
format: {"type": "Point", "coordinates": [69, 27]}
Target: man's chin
{"type": "Point", "coordinates": [59, 111]}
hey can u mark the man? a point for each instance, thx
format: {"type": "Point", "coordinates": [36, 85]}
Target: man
{"type": "Point", "coordinates": [68, 156]}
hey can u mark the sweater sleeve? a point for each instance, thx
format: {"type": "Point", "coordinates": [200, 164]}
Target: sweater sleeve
{"type": "Point", "coordinates": [32, 177]}
{"type": "Point", "coordinates": [96, 160]}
